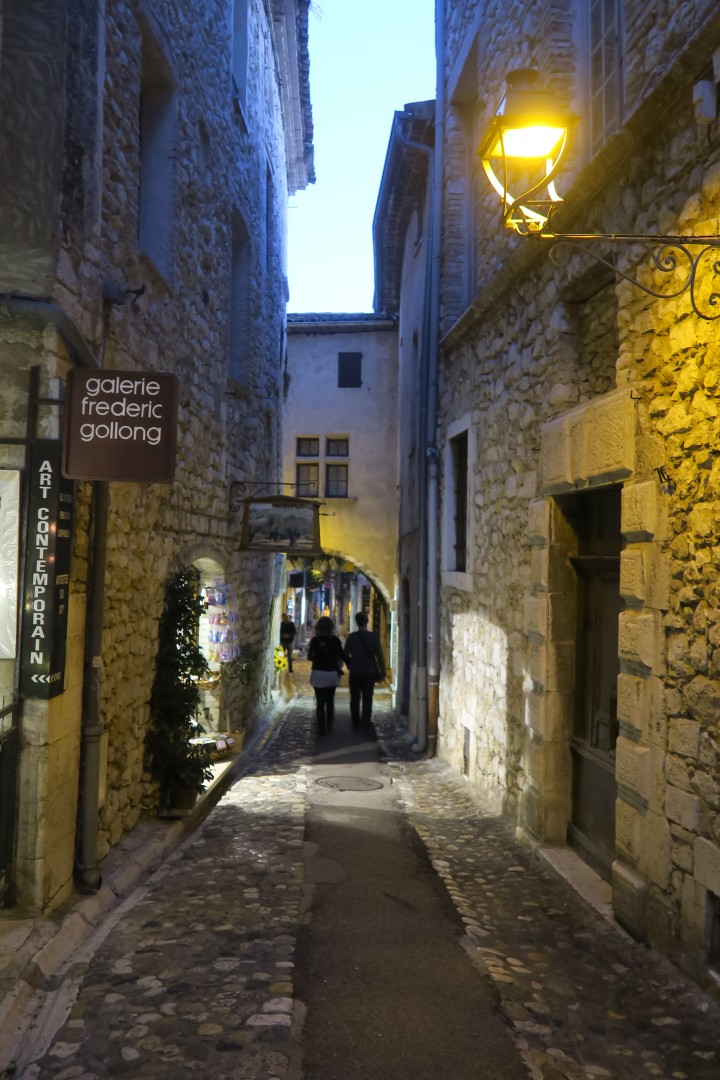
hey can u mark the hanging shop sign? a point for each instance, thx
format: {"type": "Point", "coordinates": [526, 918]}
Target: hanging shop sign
{"type": "Point", "coordinates": [120, 425]}
{"type": "Point", "coordinates": [47, 574]}
{"type": "Point", "coordinates": [9, 554]}
{"type": "Point", "coordinates": [281, 523]}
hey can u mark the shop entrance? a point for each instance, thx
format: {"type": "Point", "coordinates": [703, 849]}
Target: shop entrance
{"type": "Point", "coordinates": [595, 517]}
{"type": "Point", "coordinates": [218, 639]}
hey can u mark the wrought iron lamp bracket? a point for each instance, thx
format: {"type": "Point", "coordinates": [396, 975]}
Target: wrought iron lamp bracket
{"type": "Point", "coordinates": [697, 258]}
{"type": "Point", "coordinates": [240, 490]}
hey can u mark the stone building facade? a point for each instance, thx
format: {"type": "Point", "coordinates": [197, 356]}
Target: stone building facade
{"type": "Point", "coordinates": [149, 148]}
{"type": "Point", "coordinates": [401, 241]}
{"type": "Point", "coordinates": [340, 447]}
{"type": "Point", "coordinates": [578, 431]}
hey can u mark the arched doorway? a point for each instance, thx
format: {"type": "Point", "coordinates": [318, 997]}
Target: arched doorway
{"type": "Point", "coordinates": [218, 638]}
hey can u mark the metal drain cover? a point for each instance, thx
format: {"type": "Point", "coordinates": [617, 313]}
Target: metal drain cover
{"type": "Point", "coordinates": [348, 783]}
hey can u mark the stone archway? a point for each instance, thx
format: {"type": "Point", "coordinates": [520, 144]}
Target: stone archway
{"type": "Point", "coordinates": [333, 583]}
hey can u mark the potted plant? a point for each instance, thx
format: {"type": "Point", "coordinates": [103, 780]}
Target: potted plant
{"type": "Point", "coordinates": [180, 767]}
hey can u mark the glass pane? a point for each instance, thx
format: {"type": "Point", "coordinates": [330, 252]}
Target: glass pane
{"type": "Point", "coordinates": [308, 447]}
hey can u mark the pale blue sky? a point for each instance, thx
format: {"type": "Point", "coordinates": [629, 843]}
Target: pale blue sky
{"type": "Point", "coordinates": [368, 58]}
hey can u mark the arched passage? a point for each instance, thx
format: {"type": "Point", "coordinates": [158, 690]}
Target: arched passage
{"type": "Point", "coordinates": [335, 584]}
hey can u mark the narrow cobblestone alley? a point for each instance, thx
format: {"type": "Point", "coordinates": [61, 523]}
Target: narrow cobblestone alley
{"type": "Point", "coordinates": [195, 973]}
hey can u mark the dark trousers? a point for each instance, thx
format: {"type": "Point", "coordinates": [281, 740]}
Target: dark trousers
{"type": "Point", "coordinates": [325, 708]}
{"type": "Point", "coordinates": [361, 690]}
{"type": "Point", "coordinates": [288, 647]}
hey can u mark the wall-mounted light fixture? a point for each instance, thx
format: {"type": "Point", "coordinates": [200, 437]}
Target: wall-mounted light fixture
{"type": "Point", "coordinates": [524, 147]}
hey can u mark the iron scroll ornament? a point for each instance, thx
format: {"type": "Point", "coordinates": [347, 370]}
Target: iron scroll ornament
{"type": "Point", "coordinates": [668, 253]}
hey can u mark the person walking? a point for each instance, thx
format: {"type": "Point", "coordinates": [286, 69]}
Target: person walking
{"type": "Point", "coordinates": [366, 664]}
{"type": "Point", "coordinates": [287, 637]}
{"type": "Point", "coordinates": [326, 655]}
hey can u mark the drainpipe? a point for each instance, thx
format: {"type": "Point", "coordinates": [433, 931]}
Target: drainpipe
{"type": "Point", "coordinates": [87, 872]}
{"type": "Point", "coordinates": [87, 875]}
{"type": "Point", "coordinates": [433, 557]}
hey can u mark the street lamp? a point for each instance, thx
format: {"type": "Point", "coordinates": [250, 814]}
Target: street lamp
{"type": "Point", "coordinates": [525, 145]}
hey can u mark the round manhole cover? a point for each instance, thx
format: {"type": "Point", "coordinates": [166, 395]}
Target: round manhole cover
{"type": "Point", "coordinates": [348, 783]}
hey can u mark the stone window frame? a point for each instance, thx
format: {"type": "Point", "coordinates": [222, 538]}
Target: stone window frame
{"type": "Point", "coordinates": [603, 45]}
{"type": "Point", "coordinates": [467, 109]}
{"type": "Point", "coordinates": [240, 300]}
{"type": "Point", "coordinates": [458, 579]}
{"type": "Point", "coordinates": [158, 141]}
{"type": "Point", "coordinates": [240, 47]}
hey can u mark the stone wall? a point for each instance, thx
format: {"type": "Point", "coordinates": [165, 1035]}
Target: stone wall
{"type": "Point", "coordinates": [229, 161]}
{"type": "Point", "coordinates": [578, 380]}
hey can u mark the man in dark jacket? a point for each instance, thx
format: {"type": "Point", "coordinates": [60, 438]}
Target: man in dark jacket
{"type": "Point", "coordinates": [287, 637]}
{"type": "Point", "coordinates": [366, 664]}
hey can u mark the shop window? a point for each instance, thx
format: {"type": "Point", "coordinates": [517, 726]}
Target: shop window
{"type": "Point", "coordinates": [218, 638]}
{"type": "Point", "coordinates": [307, 446]}
{"type": "Point", "coordinates": [336, 481]}
{"type": "Point", "coordinates": [349, 370]}
{"type": "Point", "coordinates": [306, 479]}
{"type": "Point", "coordinates": [336, 447]}
{"type": "Point", "coordinates": [218, 625]}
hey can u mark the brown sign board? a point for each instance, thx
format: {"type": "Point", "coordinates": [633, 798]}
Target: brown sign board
{"type": "Point", "coordinates": [120, 425]}
{"type": "Point", "coordinates": [281, 523]}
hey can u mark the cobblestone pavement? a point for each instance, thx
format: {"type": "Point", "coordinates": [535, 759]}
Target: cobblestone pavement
{"type": "Point", "coordinates": [195, 972]}
{"type": "Point", "coordinates": [584, 999]}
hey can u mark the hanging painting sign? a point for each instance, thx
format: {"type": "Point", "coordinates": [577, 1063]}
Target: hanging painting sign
{"type": "Point", "coordinates": [280, 523]}
{"type": "Point", "coordinates": [120, 425]}
{"type": "Point", "coordinates": [47, 574]}
{"type": "Point", "coordinates": [9, 552]}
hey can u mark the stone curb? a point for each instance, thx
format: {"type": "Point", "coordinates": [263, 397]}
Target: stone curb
{"type": "Point", "coordinates": [27, 979]}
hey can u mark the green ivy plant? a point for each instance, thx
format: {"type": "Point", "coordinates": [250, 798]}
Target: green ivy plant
{"type": "Point", "coordinates": [175, 696]}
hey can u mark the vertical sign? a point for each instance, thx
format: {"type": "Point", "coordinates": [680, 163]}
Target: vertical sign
{"type": "Point", "coordinates": [9, 548]}
{"type": "Point", "coordinates": [47, 573]}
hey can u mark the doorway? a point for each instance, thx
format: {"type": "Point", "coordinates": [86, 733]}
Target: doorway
{"type": "Point", "coordinates": [595, 518]}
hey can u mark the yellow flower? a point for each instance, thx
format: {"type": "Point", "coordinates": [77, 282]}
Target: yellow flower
{"type": "Point", "coordinates": [280, 659]}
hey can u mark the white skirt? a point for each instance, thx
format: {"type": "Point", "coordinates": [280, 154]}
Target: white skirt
{"type": "Point", "coordinates": [324, 678]}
